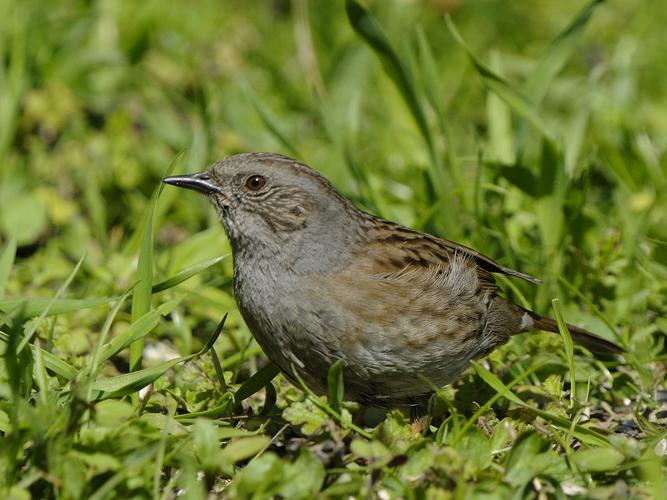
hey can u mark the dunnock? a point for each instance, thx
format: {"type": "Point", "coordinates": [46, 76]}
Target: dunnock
{"type": "Point", "coordinates": [318, 280]}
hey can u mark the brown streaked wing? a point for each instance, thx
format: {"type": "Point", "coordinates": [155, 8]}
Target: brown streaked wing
{"type": "Point", "coordinates": [487, 263]}
{"type": "Point", "coordinates": [441, 249]}
{"type": "Point", "coordinates": [400, 252]}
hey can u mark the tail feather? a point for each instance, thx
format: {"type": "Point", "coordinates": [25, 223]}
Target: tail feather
{"type": "Point", "coordinates": [580, 335]}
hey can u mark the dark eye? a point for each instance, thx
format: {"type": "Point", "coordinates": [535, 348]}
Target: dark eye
{"type": "Point", "coordinates": [255, 182]}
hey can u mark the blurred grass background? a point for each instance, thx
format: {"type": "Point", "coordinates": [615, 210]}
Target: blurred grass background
{"type": "Point", "coordinates": [536, 133]}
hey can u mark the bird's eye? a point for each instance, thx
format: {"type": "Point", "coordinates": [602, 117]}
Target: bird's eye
{"type": "Point", "coordinates": [255, 182]}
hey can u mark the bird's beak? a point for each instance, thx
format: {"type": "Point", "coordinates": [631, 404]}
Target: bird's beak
{"type": "Point", "coordinates": [201, 182]}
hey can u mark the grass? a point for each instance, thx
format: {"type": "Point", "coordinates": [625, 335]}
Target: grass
{"type": "Point", "coordinates": [536, 135]}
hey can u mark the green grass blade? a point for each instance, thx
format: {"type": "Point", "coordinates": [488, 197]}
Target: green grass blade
{"type": "Point", "coordinates": [33, 307]}
{"type": "Point", "coordinates": [558, 52]}
{"type": "Point", "coordinates": [40, 374]}
{"type": "Point", "coordinates": [483, 408]}
{"type": "Point", "coordinates": [51, 361]}
{"type": "Point", "coordinates": [518, 102]}
{"type": "Point", "coordinates": [33, 327]}
{"type": "Point", "coordinates": [136, 331]}
{"type": "Point", "coordinates": [328, 409]}
{"type": "Point", "coordinates": [259, 380]}
{"type": "Point", "coordinates": [219, 372]}
{"type": "Point", "coordinates": [367, 27]}
{"type": "Point", "coordinates": [596, 312]}
{"type": "Point", "coordinates": [569, 349]}
{"type": "Point", "coordinates": [226, 407]}
{"type": "Point", "coordinates": [6, 263]}
{"type": "Point", "coordinates": [96, 206]}
{"type": "Point", "coordinates": [141, 297]}
{"type": "Point", "coordinates": [131, 383]}
{"type": "Point", "coordinates": [216, 334]}
{"type": "Point", "coordinates": [519, 296]}
{"type": "Point", "coordinates": [135, 242]}
{"type": "Point", "coordinates": [235, 359]}
{"type": "Point", "coordinates": [17, 366]}
{"type": "Point", "coordinates": [549, 206]}
{"type": "Point", "coordinates": [552, 179]}
{"type": "Point", "coordinates": [270, 398]}
{"type": "Point", "coordinates": [430, 78]}
{"type": "Point", "coordinates": [574, 136]}
{"type": "Point", "coordinates": [496, 384]}
{"type": "Point", "coordinates": [94, 363]}
{"type": "Point", "coordinates": [186, 274]}
{"type": "Point", "coordinates": [335, 385]}
{"type": "Point", "coordinates": [270, 121]}
{"type": "Point", "coordinates": [244, 448]}
{"type": "Point", "coordinates": [5, 426]}
{"type": "Point", "coordinates": [431, 83]}
{"type": "Point", "coordinates": [55, 364]}
{"type": "Point", "coordinates": [499, 118]}
{"type": "Point", "coordinates": [584, 434]}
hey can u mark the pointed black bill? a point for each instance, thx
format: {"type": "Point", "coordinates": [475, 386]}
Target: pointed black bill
{"type": "Point", "coordinates": [201, 182]}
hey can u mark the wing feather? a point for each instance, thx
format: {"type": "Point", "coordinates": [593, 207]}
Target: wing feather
{"type": "Point", "coordinates": [398, 247]}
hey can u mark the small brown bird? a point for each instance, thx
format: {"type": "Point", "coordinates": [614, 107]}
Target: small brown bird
{"type": "Point", "coordinates": [318, 280]}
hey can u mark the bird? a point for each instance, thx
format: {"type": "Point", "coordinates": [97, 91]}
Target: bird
{"type": "Point", "coordinates": [318, 280]}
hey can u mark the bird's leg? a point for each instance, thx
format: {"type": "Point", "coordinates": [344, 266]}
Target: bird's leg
{"type": "Point", "coordinates": [358, 418]}
{"type": "Point", "coordinates": [419, 419]}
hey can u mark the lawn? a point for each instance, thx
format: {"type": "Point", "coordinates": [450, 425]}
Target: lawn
{"type": "Point", "coordinates": [535, 132]}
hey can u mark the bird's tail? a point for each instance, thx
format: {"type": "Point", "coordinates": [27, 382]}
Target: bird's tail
{"type": "Point", "coordinates": [580, 335]}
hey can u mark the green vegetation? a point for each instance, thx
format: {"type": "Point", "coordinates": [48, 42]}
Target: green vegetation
{"type": "Point", "coordinates": [535, 132]}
